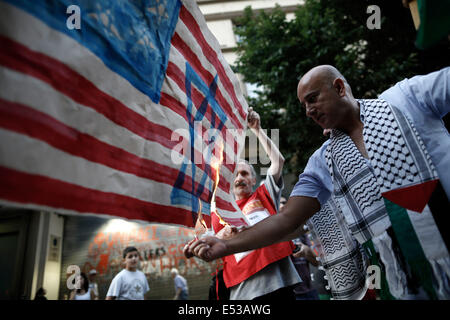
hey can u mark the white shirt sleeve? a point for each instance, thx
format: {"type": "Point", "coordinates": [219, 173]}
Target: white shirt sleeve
{"type": "Point", "coordinates": [423, 95]}
{"type": "Point", "coordinates": [315, 181]}
{"type": "Point", "coordinates": [114, 288]}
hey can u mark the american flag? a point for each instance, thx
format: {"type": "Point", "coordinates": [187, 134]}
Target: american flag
{"type": "Point", "coordinates": [92, 116]}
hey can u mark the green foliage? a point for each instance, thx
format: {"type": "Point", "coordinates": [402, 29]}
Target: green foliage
{"type": "Point", "coordinates": [274, 54]}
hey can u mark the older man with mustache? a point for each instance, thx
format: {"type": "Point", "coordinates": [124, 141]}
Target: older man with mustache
{"type": "Point", "coordinates": [267, 273]}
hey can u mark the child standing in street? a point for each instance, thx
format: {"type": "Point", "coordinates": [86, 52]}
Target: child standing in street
{"type": "Point", "coordinates": [130, 283]}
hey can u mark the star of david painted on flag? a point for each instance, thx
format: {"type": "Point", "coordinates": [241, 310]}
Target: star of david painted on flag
{"type": "Point", "coordinates": [178, 195]}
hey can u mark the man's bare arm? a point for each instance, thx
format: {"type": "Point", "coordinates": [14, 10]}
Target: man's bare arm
{"type": "Point", "coordinates": [272, 151]}
{"type": "Point", "coordinates": [271, 230]}
{"type": "Point", "coordinates": [293, 235]}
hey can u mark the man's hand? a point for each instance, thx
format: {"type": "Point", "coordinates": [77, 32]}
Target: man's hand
{"type": "Point", "coordinates": [271, 230]}
{"type": "Point", "coordinates": [188, 254]}
{"type": "Point", "coordinates": [307, 253]}
{"type": "Point", "coordinates": [207, 249]}
{"type": "Point", "coordinates": [302, 252]}
{"type": "Point", "coordinates": [254, 122]}
{"type": "Point", "coordinates": [272, 151]}
{"type": "Point", "coordinates": [406, 3]}
{"type": "Point", "coordinates": [225, 233]}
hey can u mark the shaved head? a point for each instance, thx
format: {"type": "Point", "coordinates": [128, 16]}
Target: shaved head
{"type": "Point", "coordinates": [326, 74]}
{"type": "Point", "coordinates": [326, 97]}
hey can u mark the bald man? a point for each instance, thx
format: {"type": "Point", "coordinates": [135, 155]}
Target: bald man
{"type": "Point", "coordinates": [396, 146]}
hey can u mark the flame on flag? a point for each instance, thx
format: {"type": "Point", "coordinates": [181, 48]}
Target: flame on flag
{"type": "Point", "coordinates": [215, 164]}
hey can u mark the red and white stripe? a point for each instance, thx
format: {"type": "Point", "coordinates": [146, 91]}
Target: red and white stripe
{"type": "Point", "coordinates": [75, 137]}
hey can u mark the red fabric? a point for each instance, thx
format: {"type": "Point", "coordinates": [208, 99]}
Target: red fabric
{"type": "Point", "coordinates": [235, 272]}
{"type": "Point", "coordinates": [370, 295]}
{"type": "Point", "coordinates": [217, 284]}
{"type": "Point", "coordinates": [413, 198]}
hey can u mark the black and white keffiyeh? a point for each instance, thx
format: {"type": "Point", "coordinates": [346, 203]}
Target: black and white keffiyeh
{"type": "Point", "coordinates": [356, 191]}
{"type": "Point", "coordinates": [341, 256]}
{"type": "Point", "coordinates": [406, 175]}
{"type": "Point", "coordinates": [399, 170]}
{"type": "Point", "coordinates": [396, 151]}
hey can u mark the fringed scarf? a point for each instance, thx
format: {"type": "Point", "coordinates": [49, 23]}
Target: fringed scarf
{"type": "Point", "coordinates": [396, 190]}
{"type": "Point", "coordinates": [341, 256]}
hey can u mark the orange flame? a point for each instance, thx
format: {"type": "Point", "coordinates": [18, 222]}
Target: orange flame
{"type": "Point", "coordinates": [200, 224]}
{"type": "Point", "coordinates": [216, 165]}
{"type": "Point", "coordinates": [221, 221]}
{"type": "Point", "coordinates": [200, 214]}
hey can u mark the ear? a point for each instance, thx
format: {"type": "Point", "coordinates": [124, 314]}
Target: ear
{"type": "Point", "coordinates": [253, 181]}
{"type": "Point", "coordinates": [339, 86]}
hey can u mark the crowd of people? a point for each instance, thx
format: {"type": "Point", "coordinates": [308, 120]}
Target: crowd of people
{"type": "Point", "coordinates": [129, 284]}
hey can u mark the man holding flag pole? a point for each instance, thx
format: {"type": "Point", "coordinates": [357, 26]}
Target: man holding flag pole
{"type": "Point", "coordinates": [267, 273]}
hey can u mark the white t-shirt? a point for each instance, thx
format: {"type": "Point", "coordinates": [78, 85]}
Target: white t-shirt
{"type": "Point", "coordinates": [86, 296]}
{"type": "Point", "coordinates": [128, 285]}
{"type": "Point", "coordinates": [181, 283]}
{"type": "Point", "coordinates": [94, 287]}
